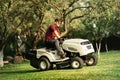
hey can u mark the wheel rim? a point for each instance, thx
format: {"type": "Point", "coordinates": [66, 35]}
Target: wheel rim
{"type": "Point", "coordinates": [75, 64]}
{"type": "Point", "coordinates": [43, 65]}
{"type": "Point", "coordinates": [91, 61]}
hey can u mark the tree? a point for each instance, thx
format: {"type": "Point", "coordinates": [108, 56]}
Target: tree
{"type": "Point", "coordinates": [70, 12]}
{"type": "Point", "coordinates": [15, 17]}
{"type": "Point", "coordinates": [100, 22]}
{"type": "Point", "coordinates": [31, 18]}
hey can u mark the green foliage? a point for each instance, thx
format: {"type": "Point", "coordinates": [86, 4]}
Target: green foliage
{"type": "Point", "coordinates": [16, 16]}
{"type": "Point", "coordinates": [78, 17]}
{"type": "Point", "coordinates": [11, 46]}
{"type": "Point", "coordinates": [104, 17]}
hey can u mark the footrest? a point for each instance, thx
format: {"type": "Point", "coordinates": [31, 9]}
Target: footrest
{"type": "Point", "coordinates": [61, 60]}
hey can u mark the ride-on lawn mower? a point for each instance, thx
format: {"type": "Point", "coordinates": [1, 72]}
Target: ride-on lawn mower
{"type": "Point", "coordinates": [78, 52]}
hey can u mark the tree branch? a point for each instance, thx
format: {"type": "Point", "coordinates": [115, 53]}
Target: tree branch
{"type": "Point", "coordinates": [53, 5]}
{"type": "Point", "coordinates": [76, 17]}
{"type": "Point", "coordinates": [75, 9]}
{"type": "Point", "coordinates": [72, 3]}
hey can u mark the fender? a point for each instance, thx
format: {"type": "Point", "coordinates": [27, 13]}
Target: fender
{"type": "Point", "coordinates": [49, 55]}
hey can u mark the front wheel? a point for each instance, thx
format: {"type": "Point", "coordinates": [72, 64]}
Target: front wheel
{"type": "Point", "coordinates": [76, 63]}
{"type": "Point", "coordinates": [91, 60]}
{"type": "Point", "coordinates": [44, 64]}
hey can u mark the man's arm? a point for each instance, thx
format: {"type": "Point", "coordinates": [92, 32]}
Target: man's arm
{"type": "Point", "coordinates": [57, 34]}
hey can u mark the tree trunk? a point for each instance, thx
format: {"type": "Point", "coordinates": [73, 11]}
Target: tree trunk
{"type": "Point", "coordinates": [1, 58]}
{"type": "Point", "coordinates": [106, 47]}
{"type": "Point", "coordinates": [98, 46]}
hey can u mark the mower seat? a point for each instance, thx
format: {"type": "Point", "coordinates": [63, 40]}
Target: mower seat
{"type": "Point", "coordinates": [50, 46]}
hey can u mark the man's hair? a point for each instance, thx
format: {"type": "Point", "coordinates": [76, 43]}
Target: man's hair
{"type": "Point", "coordinates": [56, 20]}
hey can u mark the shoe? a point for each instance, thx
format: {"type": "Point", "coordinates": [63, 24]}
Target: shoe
{"type": "Point", "coordinates": [63, 56]}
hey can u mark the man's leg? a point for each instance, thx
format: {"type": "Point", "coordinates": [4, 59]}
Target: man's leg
{"type": "Point", "coordinates": [50, 44]}
{"type": "Point", "coordinates": [59, 49]}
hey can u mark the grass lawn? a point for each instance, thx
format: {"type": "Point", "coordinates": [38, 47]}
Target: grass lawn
{"type": "Point", "coordinates": [108, 68]}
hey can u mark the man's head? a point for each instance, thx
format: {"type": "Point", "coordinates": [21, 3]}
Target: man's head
{"type": "Point", "coordinates": [58, 22]}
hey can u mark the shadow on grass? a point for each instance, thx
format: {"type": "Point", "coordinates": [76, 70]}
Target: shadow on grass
{"type": "Point", "coordinates": [19, 72]}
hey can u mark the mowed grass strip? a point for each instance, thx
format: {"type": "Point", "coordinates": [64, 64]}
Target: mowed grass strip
{"type": "Point", "coordinates": [108, 68]}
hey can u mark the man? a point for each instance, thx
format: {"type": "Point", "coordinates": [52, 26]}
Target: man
{"type": "Point", "coordinates": [52, 35]}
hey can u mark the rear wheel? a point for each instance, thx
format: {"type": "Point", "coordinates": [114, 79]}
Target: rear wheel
{"type": "Point", "coordinates": [91, 60]}
{"type": "Point", "coordinates": [76, 63]}
{"type": "Point", "coordinates": [44, 64]}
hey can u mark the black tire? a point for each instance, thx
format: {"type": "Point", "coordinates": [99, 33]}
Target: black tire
{"type": "Point", "coordinates": [51, 66]}
{"type": "Point", "coordinates": [76, 63]}
{"type": "Point", "coordinates": [91, 60]}
{"type": "Point", "coordinates": [44, 64]}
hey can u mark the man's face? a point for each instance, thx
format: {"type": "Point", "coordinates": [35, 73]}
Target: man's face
{"type": "Point", "coordinates": [58, 23]}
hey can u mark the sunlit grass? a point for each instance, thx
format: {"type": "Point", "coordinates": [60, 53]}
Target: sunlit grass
{"type": "Point", "coordinates": [108, 68]}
